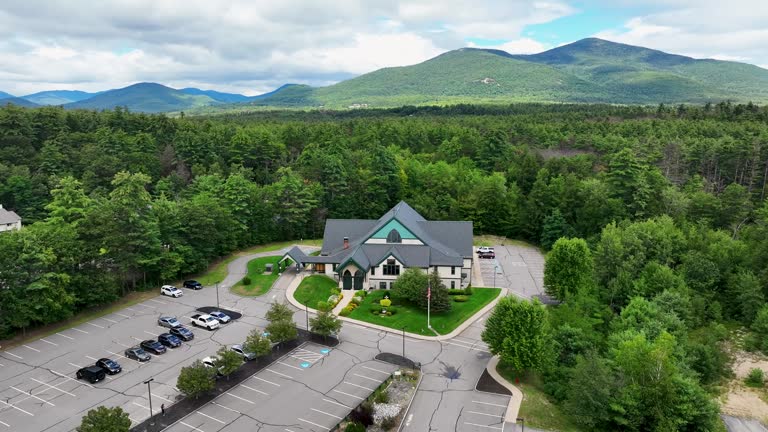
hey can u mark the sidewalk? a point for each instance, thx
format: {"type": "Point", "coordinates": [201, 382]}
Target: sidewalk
{"type": "Point", "coordinates": [346, 297]}
{"type": "Point", "coordinates": [463, 326]}
{"type": "Point", "coordinates": [517, 396]}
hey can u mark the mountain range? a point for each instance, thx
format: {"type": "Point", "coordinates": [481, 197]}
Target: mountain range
{"type": "Point", "coordinates": [587, 71]}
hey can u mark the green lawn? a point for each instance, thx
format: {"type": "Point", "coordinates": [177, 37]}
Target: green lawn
{"type": "Point", "coordinates": [314, 289]}
{"type": "Point", "coordinates": [218, 271]}
{"type": "Point", "coordinates": [260, 283]}
{"type": "Point", "coordinates": [414, 319]}
{"type": "Point", "coordinates": [536, 408]}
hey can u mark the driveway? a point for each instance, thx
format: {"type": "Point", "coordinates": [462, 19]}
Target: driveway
{"type": "Point", "coordinates": [516, 267]}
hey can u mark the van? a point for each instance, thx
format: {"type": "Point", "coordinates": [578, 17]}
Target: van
{"type": "Point", "coordinates": [93, 374]}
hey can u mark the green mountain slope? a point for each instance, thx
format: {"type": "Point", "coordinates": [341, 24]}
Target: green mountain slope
{"type": "Point", "coordinates": [215, 95]}
{"type": "Point", "coordinates": [144, 97]}
{"type": "Point", "coordinates": [642, 75]}
{"type": "Point", "coordinates": [18, 102]}
{"type": "Point", "coordinates": [58, 97]}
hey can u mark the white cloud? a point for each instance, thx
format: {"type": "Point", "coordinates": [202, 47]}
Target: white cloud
{"type": "Point", "coordinates": [734, 30]}
{"type": "Point", "coordinates": [522, 46]}
{"type": "Point", "coordinates": [242, 45]}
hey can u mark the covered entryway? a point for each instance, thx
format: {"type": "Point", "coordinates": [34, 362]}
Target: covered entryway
{"type": "Point", "coordinates": [347, 280]}
{"type": "Point", "coordinates": [358, 280]}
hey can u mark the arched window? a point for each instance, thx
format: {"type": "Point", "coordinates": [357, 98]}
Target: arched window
{"type": "Point", "coordinates": [394, 237]}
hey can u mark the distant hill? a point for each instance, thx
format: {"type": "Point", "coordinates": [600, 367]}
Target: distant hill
{"type": "Point", "coordinates": [590, 70]}
{"type": "Point", "coordinates": [18, 102]}
{"type": "Point", "coordinates": [58, 97]}
{"type": "Point", "coordinates": [4, 95]}
{"type": "Point", "coordinates": [287, 95]}
{"type": "Point", "coordinates": [217, 96]}
{"type": "Point", "coordinates": [144, 97]}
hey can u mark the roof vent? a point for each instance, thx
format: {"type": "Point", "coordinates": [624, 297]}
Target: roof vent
{"type": "Point", "coordinates": [346, 242]}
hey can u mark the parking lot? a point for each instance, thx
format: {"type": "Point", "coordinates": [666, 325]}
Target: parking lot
{"type": "Point", "coordinates": [518, 268]}
{"type": "Point", "coordinates": [38, 388]}
{"type": "Point", "coordinates": [309, 389]}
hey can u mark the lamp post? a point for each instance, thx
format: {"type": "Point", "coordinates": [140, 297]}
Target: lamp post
{"type": "Point", "coordinates": [403, 341]}
{"type": "Point", "coordinates": [521, 420]}
{"type": "Point", "coordinates": [149, 389]}
{"type": "Point", "coordinates": [306, 310]}
{"type": "Point", "coordinates": [217, 295]}
{"type": "Point", "coordinates": [495, 270]}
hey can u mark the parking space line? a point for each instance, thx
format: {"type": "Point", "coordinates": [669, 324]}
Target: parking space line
{"type": "Point", "coordinates": [191, 427]}
{"type": "Point", "coordinates": [4, 423]}
{"type": "Point", "coordinates": [116, 354]}
{"type": "Point", "coordinates": [2, 365]}
{"type": "Point", "coordinates": [92, 358]}
{"type": "Point", "coordinates": [30, 394]}
{"type": "Point", "coordinates": [33, 349]}
{"type": "Point", "coordinates": [489, 427]}
{"type": "Point", "coordinates": [56, 387]}
{"type": "Point", "coordinates": [15, 407]}
{"type": "Point", "coordinates": [65, 336]}
{"type": "Point", "coordinates": [315, 424]}
{"type": "Point", "coordinates": [464, 346]}
{"type": "Point", "coordinates": [160, 397]}
{"type": "Point", "coordinates": [81, 331]}
{"type": "Point", "coordinates": [351, 395]}
{"type": "Point", "coordinates": [212, 418]}
{"type": "Point", "coordinates": [336, 403]}
{"type": "Point", "coordinates": [123, 345]}
{"type": "Point", "coordinates": [72, 364]}
{"type": "Point", "coordinates": [140, 405]}
{"type": "Point", "coordinates": [12, 354]}
{"type": "Point", "coordinates": [95, 325]}
{"type": "Point", "coordinates": [135, 338]}
{"type": "Point", "coordinates": [328, 414]}
{"type": "Point", "coordinates": [376, 370]}
{"type": "Point", "coordinates": [157, 301]}
{"type": "Point", "coordinates": [143, 305]}
{"type": "Point", "coordinates": [288, 430]}
{"type": "Point", "coordinates": [149, 333]}
{"type": "Point", "coordinates": [49, 342]}
{"type": "Point", "coordinates": [71, 379]}
{"type": "Point", "coordinates": [131, 309]}
{"type": "Point", "coordinates": [226, 408]}
{"type": "Point", "coordinates": [268, 382]}
{"type": "Point", "coordinates": [124, 316]}
{"type": "Point", "coordinates": [238, 397]}
{"type": "Point", "coordinates": [290, 366]}
{"type": "Point", "coordinates": [485, 414]}
{"type": "Point", "coordinates": [356, 385]}
{"type": "Point", "coordinates": [253, 389]}
{"type": "Point", "coordinates": [365, 377]}
{"type": "Point", "coordinates": [488, 403]}
{"type": "Point", "coordinates": [112, 321]}
{"type": "Point", "coordinates": [278, 373]}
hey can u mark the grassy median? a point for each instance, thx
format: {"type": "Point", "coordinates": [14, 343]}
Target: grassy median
{"type": "Point", "coordinates": [314, 289]}
{"type": "Point", "coordinates": [259, 283]}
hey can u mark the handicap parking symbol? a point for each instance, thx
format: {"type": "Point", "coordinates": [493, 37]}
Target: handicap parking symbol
{"type": "Point", "coordinates": [325, 351]}
{"type": "Point", "coordinates": [305, 365]}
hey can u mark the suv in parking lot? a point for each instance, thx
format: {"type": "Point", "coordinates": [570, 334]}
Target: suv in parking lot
{"type": "Point", "coordinates": [486, 252]}
{"type": "Point", "coordinates": [169, 340]}
{"type": "Point", "coordinates": [168, 321]}
{"type": "Point", "coordinates": [137, 353]}
{"type": "Point", "coordinates": [110, 366]}
{"type": "Point", "coordinates": [171, 291]}
{"type": "Point", "coordinates": [182, 333]}
{"type": "Point", "coordinates": [193, 284]}
{"type": "Point", "coordinates": [247, 356]}
{"type": "Point", "coordinates": [93, 374]}
{"type": "Point", "coordinates": [220, 316]}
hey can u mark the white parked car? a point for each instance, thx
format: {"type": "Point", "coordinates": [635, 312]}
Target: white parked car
{"type": "Point", "coordinates": [171, 291]}
{"type": "Point", "coordinates": [220, 316]}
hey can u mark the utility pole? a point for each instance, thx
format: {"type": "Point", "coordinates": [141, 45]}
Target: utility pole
{"type": "Point", "coordinates": [217, 295]}
{"type": "Point", "coordinates": [521, 420]}
{"type": "Point", "coordinates": [149, 389]}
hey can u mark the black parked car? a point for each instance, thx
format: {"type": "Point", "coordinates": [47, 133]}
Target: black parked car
{"type": "Point", "coordinates": [182, 333]}
{"type": "Point", "coordinates": [153, 346]}
{"type": "Point", "coordinates": [137, 353]}
{"type": "Point", "coordinates": [193, 284]}
{"type": "Point", "coordinates": [93, 374]}
{"type": "Point", "coordinates": [169, 340]}
{"type": "Point", "coordinates": [110, 366]}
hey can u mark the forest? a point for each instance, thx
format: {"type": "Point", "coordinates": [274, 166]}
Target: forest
{"type": "Point", "coordinates": [666, 204]}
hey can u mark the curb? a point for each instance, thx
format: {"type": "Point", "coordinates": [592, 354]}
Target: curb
{"type": "Point", "coordinates": [517, 395]}
{"type": "Point", "coordinates": [291, 289]}
{"type": "Point", "coordinates": [413, 396]}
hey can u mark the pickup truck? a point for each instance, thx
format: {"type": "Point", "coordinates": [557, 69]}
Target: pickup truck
{"type": "Point", "coordinates": [205, 321]}
{"type": "Point", "coordinates": [486, 252]}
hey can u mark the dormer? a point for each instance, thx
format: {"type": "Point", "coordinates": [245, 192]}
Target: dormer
{"type": "Point", "coordinates": [394, 232]}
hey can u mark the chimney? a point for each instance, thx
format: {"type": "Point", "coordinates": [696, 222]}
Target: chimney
{"type": "Point", "coordinates": [346, 242]}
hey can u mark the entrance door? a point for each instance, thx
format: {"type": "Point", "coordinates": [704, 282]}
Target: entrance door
{"type": "Point", "coordinates": [358, 280]}
{"type": "Point", "coordinates": [347, 280]}
{"type": "Point", "coordinates": [320, 268]}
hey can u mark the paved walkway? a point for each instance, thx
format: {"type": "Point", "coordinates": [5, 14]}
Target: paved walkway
{"type": "Point", "coordinates": [517, 396]}
{"type": "Point", "coordinates": [346, 297]}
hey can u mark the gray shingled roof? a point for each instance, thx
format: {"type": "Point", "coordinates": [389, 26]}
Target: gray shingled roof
{"type": "Point", "coordinates": [446, 243]}
{"type": "Point", "coordinates": [8, 217]}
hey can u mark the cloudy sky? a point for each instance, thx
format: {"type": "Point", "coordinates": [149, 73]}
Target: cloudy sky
{"type": "Point", "coordinates": [253, 46]}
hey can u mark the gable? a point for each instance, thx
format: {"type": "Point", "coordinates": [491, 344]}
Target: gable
{"type": "Point", "coordinates": [394, 225]}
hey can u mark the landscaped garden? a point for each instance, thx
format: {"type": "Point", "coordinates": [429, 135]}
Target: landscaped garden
{"type": "Point", "coordinates": [256, 283]}
{"type": "Point", "coordinates": [414, 319]}
{"type": "Point", "coordinates": [314, 289]}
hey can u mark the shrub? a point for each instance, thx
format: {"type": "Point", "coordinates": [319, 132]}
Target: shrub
{"type": "Point", "coordinates": [755, 378]}
{"type": "Point", "coordinates": [375, 310]}
{"type": "Point", "coordinates": [391, 310]}
{"type": "Point", "coordinates": [323, 306]}
{"type": "Point", "coordinates": [385, 302]}
{"type": "Point", "coordinates": [454, 292]}
{"type": "Point", "coordinates": [246, 280]}
{"type": "Point", "coordinates": [346, 311]}
{"type": "Point", "coordinates": [468, 290]}
{"type": "Point", "coordinates": [361, 293]}
{"type": "Point", "coordinates": [380, 396]}
{"type": "Point", "coordinates": [460, 298]}
{"type": "Point", "coordinates": [356, 301]}
{"type": "Point", "coordinates": [335, 291]}
{"type": "Point", "coordinates": [388, 423]}
{"type": "Point", "coordinates": [354, 427]}
{"type": "Point", "coordinates": [363, 414]}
